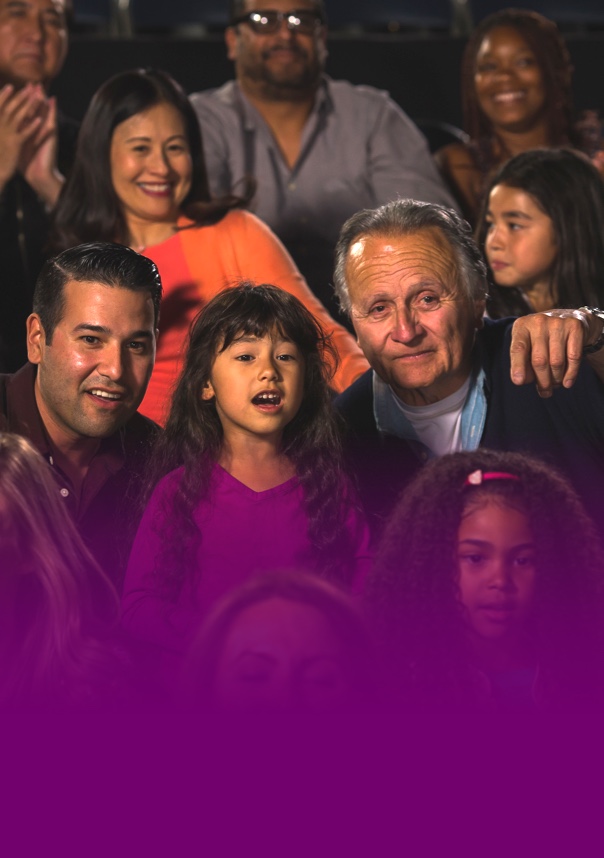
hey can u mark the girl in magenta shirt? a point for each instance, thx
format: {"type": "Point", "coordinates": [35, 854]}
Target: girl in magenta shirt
{"type": "Point", "coordinates": [252, 468]}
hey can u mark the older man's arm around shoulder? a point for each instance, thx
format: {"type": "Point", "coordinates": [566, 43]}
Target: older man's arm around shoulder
{"type": "Point", "coordinates": [548, 348]}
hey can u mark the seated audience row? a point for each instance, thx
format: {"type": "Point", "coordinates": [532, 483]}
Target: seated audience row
{"type": "Point", "coordinates": [486, 596]}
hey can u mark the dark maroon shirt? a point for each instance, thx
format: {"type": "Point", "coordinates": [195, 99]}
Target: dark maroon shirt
{"type": "Point", "coordinates": [108, 508]}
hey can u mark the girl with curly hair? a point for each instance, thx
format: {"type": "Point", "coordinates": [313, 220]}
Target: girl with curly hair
{"type": "Point", "coordinates": [487, 588]}
{"type": "Point", "coordinates": [253, 467]}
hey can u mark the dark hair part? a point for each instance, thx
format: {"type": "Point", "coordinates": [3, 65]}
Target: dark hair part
{"type": "Point", "coordinates": [544, 39]}
{"type": "Point", "coordinates": [567, 187]}
{"type": "Point", "coordinates": [407, 217]}
{"type": "Point", "coordinates": [193, 436]}
{"type": "Point", "coordinates": [334, 605]}
{"type": "Point", "coordinates": [89, 208]}
{"type": "Point", "coordinates": [96, 262]}
{"type": "Point", "coordinates": [414, 592]}
{"type": "Point", "coordinates": [238, 8]}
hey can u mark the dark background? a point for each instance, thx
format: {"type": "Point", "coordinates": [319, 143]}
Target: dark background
{"type": "Point", "coordinates": [421, 73]}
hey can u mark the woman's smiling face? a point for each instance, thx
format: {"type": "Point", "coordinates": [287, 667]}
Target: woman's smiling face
{"type": "Point", "coordinates": [151, 165]}
{"type": "Point", "coordinates": [509, 81]}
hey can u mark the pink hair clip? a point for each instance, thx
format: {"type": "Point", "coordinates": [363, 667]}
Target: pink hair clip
{"type": "Point", "coordinates": [476, 478]}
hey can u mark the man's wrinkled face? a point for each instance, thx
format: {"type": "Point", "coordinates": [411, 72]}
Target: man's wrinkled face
{"type": "Point", "coordinates": [286, 64]}
{"type": "Point", "coordinates": [33, 40]}
{"type": "Point", "coordinates": [414, 323]}
{"type": "Point", "coordinates": [93, 375]}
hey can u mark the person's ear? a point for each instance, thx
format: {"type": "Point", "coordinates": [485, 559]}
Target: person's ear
{"type": "Point", "coordinates": [36, 339]}
{"type": "Point", "coordinates": [207, 391]}
{"type": "Point", "coordinates": [230, 37]}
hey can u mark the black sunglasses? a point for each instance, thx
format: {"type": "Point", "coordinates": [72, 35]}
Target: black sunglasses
{"type": "Point", "coordinates": [303, 21]}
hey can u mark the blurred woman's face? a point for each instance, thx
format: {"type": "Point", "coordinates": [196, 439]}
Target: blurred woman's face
{"type": "Point", "coordinates": [151, 165]}
{"type": "Point", "coordinates": [280, 654]}
{"type": "Point", "coordinates": [509, 81]}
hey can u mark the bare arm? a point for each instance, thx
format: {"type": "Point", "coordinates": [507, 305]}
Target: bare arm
{"type": "Point", "coordinates": [459, 171]}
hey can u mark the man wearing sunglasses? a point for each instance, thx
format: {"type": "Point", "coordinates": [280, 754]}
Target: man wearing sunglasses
{"type": "Point", "coordinates": [319, 150]}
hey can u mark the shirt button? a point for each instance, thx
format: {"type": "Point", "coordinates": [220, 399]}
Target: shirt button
{"type": "Point", "coordinates": [65, 493]}
{"type": "Point", "coordinates": [292, 186]}
{"type": "Point", "coordinates": [303, 220]}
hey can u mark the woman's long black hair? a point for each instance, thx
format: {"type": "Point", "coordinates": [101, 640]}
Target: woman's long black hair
{"type": "Point", "coordinates": [88, 208]}
{"type": "Point", "coordinates": [193, 436]}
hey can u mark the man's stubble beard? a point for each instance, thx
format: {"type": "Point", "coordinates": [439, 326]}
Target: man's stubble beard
{"type": "Point", "coordinates": [293, 87]}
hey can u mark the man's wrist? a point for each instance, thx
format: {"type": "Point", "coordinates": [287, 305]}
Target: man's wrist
{"type": "Point", "coordinates": [598, 343]}
{"type": "Point", "coordinates": [49, 187]}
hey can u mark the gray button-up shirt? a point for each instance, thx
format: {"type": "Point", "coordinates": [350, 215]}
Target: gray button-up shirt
{"type": "Point", "coordinates": [359, 150]}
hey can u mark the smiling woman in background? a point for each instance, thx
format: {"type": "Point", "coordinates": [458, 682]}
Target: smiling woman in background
{"type": "Point", "coordinates": [139, 179]}
{"type": "Point", "coordinates": [516, 95]}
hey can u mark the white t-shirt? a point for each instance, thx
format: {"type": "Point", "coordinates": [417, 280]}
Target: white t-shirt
{"type": "Point", "coordinates": [438, 426]}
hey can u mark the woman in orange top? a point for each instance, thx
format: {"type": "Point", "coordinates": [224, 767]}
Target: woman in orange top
{"type": "Point", "coordinates": [148, 188]}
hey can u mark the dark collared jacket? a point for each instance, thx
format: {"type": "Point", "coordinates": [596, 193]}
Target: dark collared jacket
{"type": "Point", "coordinates": [566, 430]}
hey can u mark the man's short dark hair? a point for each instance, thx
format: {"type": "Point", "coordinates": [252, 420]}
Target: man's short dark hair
{"type": "Point", "coordinates": [96, 262]}
{"type": "Point", "coordinates": [237, 8]}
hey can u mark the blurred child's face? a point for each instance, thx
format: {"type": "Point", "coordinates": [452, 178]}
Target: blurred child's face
{"type": "Point", "coordinates": [258, 384]}
{"type": "Point", "coordinates": [281, 654]}
{"type": "Point", "coordinates": [520, 243]}
{"type": "Point", "coordinates": [497, 568]}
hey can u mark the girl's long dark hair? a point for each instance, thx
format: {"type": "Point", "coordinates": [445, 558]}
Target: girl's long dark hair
{"type": "Point", "coordinates": [193, 435]}
{"type": "Point", "coordinates": [545, 41]}
{"type": "Point", "coordinates": [64, 604]}
{"type": "Point", "coordinates": [88, 208]}
{"type": "Point", "coordinates": [568, 189]}
{"type": "Point", "coordinates": [414, 593]}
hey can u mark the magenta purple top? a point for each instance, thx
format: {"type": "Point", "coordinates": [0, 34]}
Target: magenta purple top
{"type": "Point", "coordinates": [243, 533]}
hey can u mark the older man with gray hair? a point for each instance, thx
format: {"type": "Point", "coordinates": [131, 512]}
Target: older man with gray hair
{"type": "Point", "coordinates": [443, 377]}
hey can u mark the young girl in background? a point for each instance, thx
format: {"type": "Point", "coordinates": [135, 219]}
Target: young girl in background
{"type": "Point", "coordinates": [543, 232]}
{"type": "Point", "coordinates": [487, 589]}
{"type": "Point", "coordinates": [254, 478]}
